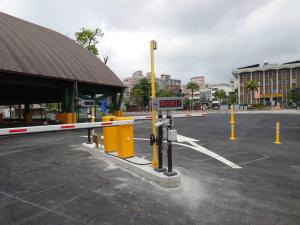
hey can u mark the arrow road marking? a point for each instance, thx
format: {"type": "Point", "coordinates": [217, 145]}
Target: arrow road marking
{"type": "Point", "coordinates": [192, 145]}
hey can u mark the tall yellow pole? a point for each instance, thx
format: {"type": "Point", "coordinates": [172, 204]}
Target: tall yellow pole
{"type": "Point", "coordinates": [154, 160]}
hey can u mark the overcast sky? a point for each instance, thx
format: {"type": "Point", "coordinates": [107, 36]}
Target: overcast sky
{"type": "Point", "coordinates": [195, 37]}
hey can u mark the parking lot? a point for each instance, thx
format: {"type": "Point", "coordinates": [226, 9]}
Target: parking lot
{"type": "Point", "coordinates": [47, 178]}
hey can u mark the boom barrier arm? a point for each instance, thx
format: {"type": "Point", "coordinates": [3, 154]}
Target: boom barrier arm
{"type": "Point", "coordinates": [61, 127]}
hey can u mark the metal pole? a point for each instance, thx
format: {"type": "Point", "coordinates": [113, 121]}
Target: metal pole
{"type": "Point", "coordinates": [160, 145]}
{"type": "Point", "coordinates": [89, 137]}
{"type": "Point", "coordinates": [169, 172]}
{"type": "Point", "coordinates": [154, 160]}
{"type": "Point", "coordinates": [89, 129]}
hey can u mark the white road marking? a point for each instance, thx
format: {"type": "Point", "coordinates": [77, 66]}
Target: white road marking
{"type": "Point", "coordinates": [254, 160]}
{"type": "Point", "coordinates": [205, 151]}
{"type": "Point", "coordinates": [181, 138]}
{"type": "Point", "coordinates": [233, 153]}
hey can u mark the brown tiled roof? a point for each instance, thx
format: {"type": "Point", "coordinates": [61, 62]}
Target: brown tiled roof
{"type": "Point", "coordinates": [29, 49]}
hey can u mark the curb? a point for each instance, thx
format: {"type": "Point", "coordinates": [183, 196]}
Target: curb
{"type": "Point", "coordinates": [145, 171]}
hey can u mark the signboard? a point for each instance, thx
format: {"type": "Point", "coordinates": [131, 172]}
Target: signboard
{"type": "Point", "coordinates": [84, 103]}
{"type": "Point", "coordinates": [271, 95]}
{"type": "Point", "coordinates": [169, 103]}
{"type": "Point", "coordinates": [87, 103]}
{"type": "Point", "coordinates": [103, 105]}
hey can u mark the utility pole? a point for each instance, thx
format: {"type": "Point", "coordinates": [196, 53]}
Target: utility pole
{"type": "Point", "coordinates": [153, 46]}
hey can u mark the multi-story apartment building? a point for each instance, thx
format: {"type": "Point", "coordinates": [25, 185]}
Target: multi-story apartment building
{"type": "Point", "coordinates": [173, 85]}
{"type": "Point", "coordinates": [131, 81]}
{"type": "Point", "coordinates": [200, 80]}
{"type": "Point", "coordinates": [164, 82]}
{"type": "Point", "coordinates": [274, 82]}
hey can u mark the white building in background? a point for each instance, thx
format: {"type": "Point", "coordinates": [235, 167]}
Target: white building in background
{"type": "Point", "coordinates": [227, 88]}
{"type": "Point", "coordinates": [207, 94]}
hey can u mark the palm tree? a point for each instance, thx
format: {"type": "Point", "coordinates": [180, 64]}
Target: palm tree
{"type": "Point", "coordinates": [220, 94]}
{"type": "Point", "coordinates": [192, 86]}
{"type": "Point", "coordinates": [251, 87]}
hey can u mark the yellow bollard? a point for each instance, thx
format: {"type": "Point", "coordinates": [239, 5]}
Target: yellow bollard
{"type": "Point", "coordinates": [232, 137]}
{"type": "Point", "coordinates": [125, 143]}
{"type": "Point", "coordinates": [231, 114]}
{"type": "Point", "coordinates": [277, 138]}
{"type": "Point", "coordinates": [110, 135]}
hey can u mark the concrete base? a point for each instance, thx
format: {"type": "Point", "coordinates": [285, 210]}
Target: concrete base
{"type": "Point", "coordinates": [137, 165]}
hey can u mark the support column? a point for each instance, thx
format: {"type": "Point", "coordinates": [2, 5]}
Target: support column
{"type": "Point", "coordinates": [67, 114]}
{"type": "Point", "coordinates": [251, 94]}
{"type": "Point", "coordinates": [264, 86]}
{"type": "Point", "coordinates": [239, 89]}
{"type": "Point", "coordinates": [117, 104]}
{"type": "Point", "coordinates": [277, 85]}
{"type": "Point", "coordinates": [10, 115]}
{"type": "Point", "coordinates": [118, 111]}
{"type": "Point", "coordinates": [277, 88]}
{"type": "Point", "coordinates": [27, 113]}
{"type": "Point", "coordinates": [20, 111]}
{"type": "Point", "coordinates": [93, 109]}
{"type": "Point", "coordinates": [291, 78]}
{"type": "Point", "coordinates": [41, 111]}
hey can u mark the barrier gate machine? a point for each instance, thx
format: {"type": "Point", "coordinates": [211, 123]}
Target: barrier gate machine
{"type": "Point", "coordinates": [165, 131]}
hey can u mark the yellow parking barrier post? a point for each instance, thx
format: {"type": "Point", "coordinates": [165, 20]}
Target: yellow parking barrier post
{"type": "Point", "coordinates": [232, 122]}
{"type": "Point", "coordinates": [231, 114]}
{"type": "Point", "coordinates": [277, 136]}
{"type": "Point", "coordinates": [232, 136]}
{"type": "Point", "coordinates": [110, 135]}
{"type": "Point", "coordinates": [125, 144]}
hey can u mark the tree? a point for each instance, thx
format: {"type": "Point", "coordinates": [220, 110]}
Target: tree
{"type": "Point", "coordinates": [141, 92]}
{"type": "Point", "coordinates": [292, 96]}
{"type": "Point", "coordinates": [137, 94]}
{"type": "Point", "coordinates": [232, 98]}
{"type": "Point", "coordinates": [251, 87]}
{"type": "Point", "coordinates": [192, 86]}
{"type": "Point", "coordinates": [220, 94]}
{"type": "Point", "coordinates": [164, 93]}
{"type": "Point", "coordinates": [89, 39]}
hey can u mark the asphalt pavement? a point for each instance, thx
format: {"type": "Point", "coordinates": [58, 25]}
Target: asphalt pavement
{"type": "Point", "coordinates": [48, 179]}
